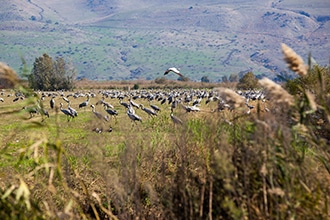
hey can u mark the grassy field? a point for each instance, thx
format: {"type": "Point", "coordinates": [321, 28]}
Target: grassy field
{"type": "Point", "coordinates": [221, 165]}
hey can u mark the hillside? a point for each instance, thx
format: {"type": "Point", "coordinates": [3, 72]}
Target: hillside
{"type": "Point", "coordinates": [114, 39]}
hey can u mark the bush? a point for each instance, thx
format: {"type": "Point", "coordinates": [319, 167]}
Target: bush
{"type": "Point", "coordinates": [205, 79]}
{"type": "Point", "coordinates": [183, 79]}
{"type": "Point", "coordinates": [248, 81]}
{"type": "Point", "coordinates": [160, 80]}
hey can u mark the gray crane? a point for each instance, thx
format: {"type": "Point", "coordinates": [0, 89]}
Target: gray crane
{"type": "Point", "coordinates": [66, 112]}
{"type": "Point", "coordinates": [104, 103]}
{"type": "Point", "coordinates": [111, 112]}
{"type": "Point", "coordinates": [52, 102]}
{"type": "Point", "coordinates": [65, 99]}
{"type": "Point", "coordinates": [150, 112]}
{"type": "Point", "coordinates": [40, 108]}
{"type": "Point", "coordinates": [98, 114]}
{"type": "Point", "coordinates": [154, 107]}
{"type": "Point", "coordinates": [134, 117]}
{"type": "Point", "coordinates": [31, 110]}
{"type": "Point", "coordinates": [125, 104]}
{"type": "Point", "coordinates": [72, 110]}
{"type": "Point", "coordinates": [175, 119]}
{"type": "Point", "coordinates": [134, 104]}
{"type": "Point", "coordinates": [85, 103]}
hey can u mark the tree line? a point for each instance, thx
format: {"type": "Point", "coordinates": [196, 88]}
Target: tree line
{"type": "Point", "coordinates": [50, 74]}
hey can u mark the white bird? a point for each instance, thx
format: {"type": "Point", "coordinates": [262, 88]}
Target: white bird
{"type": "Point", "coordinates": [174, 70]}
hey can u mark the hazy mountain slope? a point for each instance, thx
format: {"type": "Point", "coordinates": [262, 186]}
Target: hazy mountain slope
{"type": "Point", "coordinates": [117, 39]}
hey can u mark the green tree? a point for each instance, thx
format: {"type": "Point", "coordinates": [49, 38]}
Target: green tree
{"type": "Point", "coordinates": [233, 77]}
{"type": "Point", "coordinates": [224, 79]}
{"type": "Point", "coordinates": [183, 79]}
{"type": "Point", "coordinates": [160, 80]}
{"type": "Point", "coordinates": [248, 81]}
{"type": "Point", "coordinates": [205, 79]}
{"type": "Point", "coordinates": [48, 74]}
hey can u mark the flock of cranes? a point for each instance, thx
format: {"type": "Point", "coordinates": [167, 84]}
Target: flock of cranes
{"type": "Point", "coordinates": [133, 102]}
{"type": "Point", "coordinates": [190, 100]}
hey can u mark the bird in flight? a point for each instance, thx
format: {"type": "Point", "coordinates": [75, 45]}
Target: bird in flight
{"type": "Point", "coordinates": [174, 70]}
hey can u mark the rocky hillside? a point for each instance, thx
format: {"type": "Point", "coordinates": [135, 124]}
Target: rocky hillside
{"type": "Point", "coordinates": [138, 39]}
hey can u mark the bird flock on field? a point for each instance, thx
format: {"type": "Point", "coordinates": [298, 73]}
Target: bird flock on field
{"type": "Point", "coordinates": [190, 100]}
{"type": "Point", "coordinates": [101, 103]}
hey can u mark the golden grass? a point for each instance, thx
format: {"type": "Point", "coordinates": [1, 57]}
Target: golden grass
{"type": "Point", "coordinates": [294, 61]}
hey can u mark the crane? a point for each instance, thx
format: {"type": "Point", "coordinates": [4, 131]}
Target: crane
{"type": "Point", "coordinates": [175, 119]}
{"type": "Point", "coordinates": [111, 112]}
{"type": "Point", "coordinates": [85, 103]}
{"type": "Point", "coordinates": [72, 110]}
{"type": "Point", "coordinates": [65, 99]}
{"type": "Point", "coordinates": [154, 107]}
{"type": "Point", "coordinates": [134, 104]}
{"type": "Point", "coordinates": [134, 117]}
{"type": "Point", "coordinates": [125, 104]}
{"type": "Point", "coordinates": [52, 102]}
{"type": "Point", "coordinates": [66, 112]}
{"type": "Point", "coordinates": [98, 114]}
{"type": "Point", "coordinates": [150, 112]}
{"type": "Point", "coordinates": [31, 110]}
{"type": "Point", "coordinates": [174, 70]}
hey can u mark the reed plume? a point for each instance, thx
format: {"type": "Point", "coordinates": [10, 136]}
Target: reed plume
{"type": "Point", "coordinates": [294, 61]}
{"type": "Point", "coordinates": [8, 77]}
{"type": "Point", "coordinates": [231, 97]}
{"type": "Point", "coordinates": [276, 92]}
{"type": "Point", "coordinates": [311, 100]}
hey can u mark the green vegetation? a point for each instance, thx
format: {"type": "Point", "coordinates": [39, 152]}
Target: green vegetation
{"type": "Point", "coordinates": [248, 81]}
{"type": "Point", "coordinates": [218, 164]}
{"type": "Point", "coordinates": [51, 75]}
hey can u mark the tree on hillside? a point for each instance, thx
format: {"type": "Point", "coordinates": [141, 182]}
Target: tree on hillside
{"type": "Point", "coordinates": [224, 79]}
{"type": "Point", "coordinates": [233, 77]}
{"type": "Point", "coordinates": [205, 79]}
{"type": "Point", "coordinates": [48, 74]}
{"type": "Point", "coordinates": [248, 81]}
{"type": "Point", "coordinates": [183, 79]}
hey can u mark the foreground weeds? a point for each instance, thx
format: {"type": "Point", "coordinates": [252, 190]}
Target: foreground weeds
{"type": "Point", "coordinates": [218, 165]}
